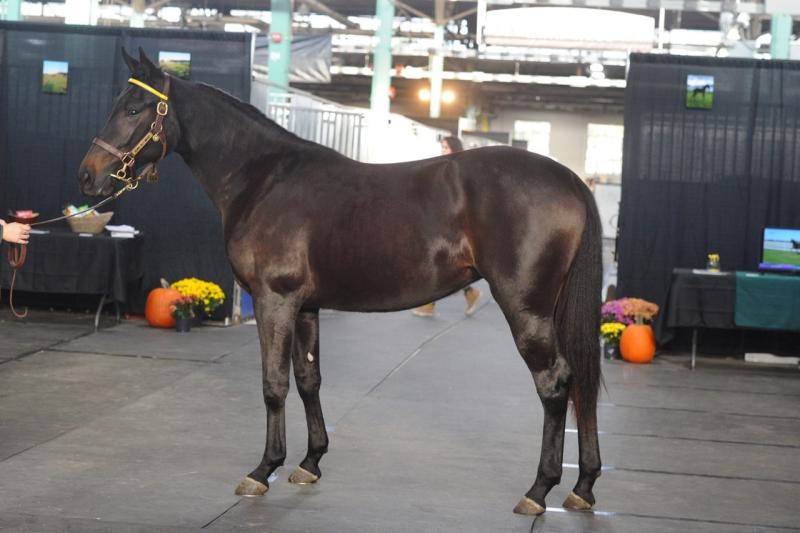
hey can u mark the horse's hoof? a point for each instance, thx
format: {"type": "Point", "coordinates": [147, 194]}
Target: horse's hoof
{"type": "Point", "coordinates": [301, 476]}
{"type": "Point", "coordinates": [251, 487]}
{"type": "Point", "coordinates": [528, 507]}
{"type": "Point", "coordinates": [576, 503]}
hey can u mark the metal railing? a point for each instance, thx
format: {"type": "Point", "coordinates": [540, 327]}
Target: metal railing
{"type": "Point", "coordinates": [356, 133]}
{"type": "Point", "coordinates": [310, 117]}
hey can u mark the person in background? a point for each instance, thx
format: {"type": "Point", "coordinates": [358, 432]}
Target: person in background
{"type": "Point", "coordinates": [451, 145]}
{"type": "Point", "coordinates": [14, 232]}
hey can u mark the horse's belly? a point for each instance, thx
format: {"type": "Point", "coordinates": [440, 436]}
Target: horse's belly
{"type": "Point", "coordinates": [389, 289]}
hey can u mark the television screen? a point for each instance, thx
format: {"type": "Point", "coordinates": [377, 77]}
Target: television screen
{"type": "Point", "coordinates": [781, 250]}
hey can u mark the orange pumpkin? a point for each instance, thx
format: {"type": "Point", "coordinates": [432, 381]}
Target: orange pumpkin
{"type": "Point", "coordinates": [637, 344]}
{"type": "Point", "coordinates": [156, 310]}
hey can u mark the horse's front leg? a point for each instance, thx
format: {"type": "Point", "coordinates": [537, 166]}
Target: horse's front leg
{"type": "Point", "coordinates": [275, 316]}
{"type": "Point", "coordinates": [307, 377]}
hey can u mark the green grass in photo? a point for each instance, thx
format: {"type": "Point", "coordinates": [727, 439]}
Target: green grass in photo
{"type": "Point", "coordinates": [55, 83]}
{"type": "Point", "coordinates": [699, 100]}
{"type": "Point", "coordinates": [176, 68]}
{"type": "Point", "coordinates": [781, 257]}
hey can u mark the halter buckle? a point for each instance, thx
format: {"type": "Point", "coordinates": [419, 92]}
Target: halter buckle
{"type": "Point", "coordinates": [128, 160]}
{"type": "Point", "coordinates": [121, 174]}
{"type": "Point", "coordinates": [162, 108]}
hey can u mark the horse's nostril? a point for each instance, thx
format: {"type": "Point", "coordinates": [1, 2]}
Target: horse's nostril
{"type": "Point", "coordinates": [86, 178]}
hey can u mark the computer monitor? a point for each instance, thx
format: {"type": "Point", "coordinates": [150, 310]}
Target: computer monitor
{"type": "Point", "coordinates": [780, 251]}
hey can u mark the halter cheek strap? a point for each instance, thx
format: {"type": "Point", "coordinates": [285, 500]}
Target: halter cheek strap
{"type": "Point", "coordinates": [155, 134]}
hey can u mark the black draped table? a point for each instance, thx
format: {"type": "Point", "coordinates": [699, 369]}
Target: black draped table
{"type": "Point", "coordinates": [63, 262]}
{"type": "Point", "coordinates": [729, 300]}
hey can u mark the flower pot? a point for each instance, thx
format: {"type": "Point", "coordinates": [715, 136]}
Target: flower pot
{"type": "Point", "coordinates": [638, 344]}
{"type": "Point", "coordinates": [182, 325]}
{"type": "Point", "coordinates": [197, 321]}
{"type": "Point", "coordinates": [610, 351]}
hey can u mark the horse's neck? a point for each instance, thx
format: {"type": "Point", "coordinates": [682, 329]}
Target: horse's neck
{"type": "Point", "coordinates": [219, 140]}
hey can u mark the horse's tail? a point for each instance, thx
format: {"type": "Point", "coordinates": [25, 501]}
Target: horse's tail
{"type": "Point", "coordinates": [578, 315]}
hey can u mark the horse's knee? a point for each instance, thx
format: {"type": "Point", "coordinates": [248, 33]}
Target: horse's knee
{"type": "Point", "coordinates": [275, 394]}
{"type": "Point", "coordinates": [308, 387]}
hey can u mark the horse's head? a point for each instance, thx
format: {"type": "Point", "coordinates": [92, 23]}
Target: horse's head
{"type": "Point", "coordinates": [138, 132]}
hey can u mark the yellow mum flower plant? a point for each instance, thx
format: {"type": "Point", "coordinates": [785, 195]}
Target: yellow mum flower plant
{"type": "Point", "coordinates": [209, 295]}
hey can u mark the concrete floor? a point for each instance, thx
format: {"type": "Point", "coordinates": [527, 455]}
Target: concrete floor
{"type": "Point", "coordinates": [434, 423]}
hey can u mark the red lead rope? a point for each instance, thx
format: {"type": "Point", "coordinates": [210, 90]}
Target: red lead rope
{"type": "Point", "coordinates": [16, 258]}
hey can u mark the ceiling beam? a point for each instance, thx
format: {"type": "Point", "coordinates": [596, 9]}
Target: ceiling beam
{"type": "Point", "coordinates": [411, 9]}
{"type": "Point", "coordinates": [712, 6]}
{"type": "Point", "coordinates": [319, 7]}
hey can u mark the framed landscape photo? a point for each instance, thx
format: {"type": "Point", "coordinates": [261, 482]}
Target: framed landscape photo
{"type": "Point", "coordinates": [55, 77]}
{"type": "Point", "coordinates": [176, 63]}
{"type": "Point", "coordinates": [699, 91]}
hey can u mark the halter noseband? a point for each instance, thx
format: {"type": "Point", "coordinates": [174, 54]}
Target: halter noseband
{"type": "Point", "coordinates": [155, 134]}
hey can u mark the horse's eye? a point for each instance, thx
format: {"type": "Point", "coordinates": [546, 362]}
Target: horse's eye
{"type": "Point", "coordinates": [132, 111]}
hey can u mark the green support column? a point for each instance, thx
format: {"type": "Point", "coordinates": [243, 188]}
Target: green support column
{"type": "Point", "coordinates": [781, 36]}
{"type": "Point", "coordinates": [13, 10]}
{"type": "Point", "coordinates": [280, 44]}
{"type": "Point", "coordinates": [382, 57]}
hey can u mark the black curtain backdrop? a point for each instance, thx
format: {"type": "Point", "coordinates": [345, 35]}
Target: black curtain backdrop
{"type": "Point", "coordinates": [701, 181]}
{"type": "Point", "coordinates": [43, 137]}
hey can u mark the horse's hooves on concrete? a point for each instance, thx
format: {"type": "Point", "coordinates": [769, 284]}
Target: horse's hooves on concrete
{"type": "Point", "coordinates": [528, 507]}
{"type": "Point", "coordinates": [576, 503]}
{"type": "Point", "coordinates": [251, 487]}
{"type": "Point", "coordinates": [301, 476]}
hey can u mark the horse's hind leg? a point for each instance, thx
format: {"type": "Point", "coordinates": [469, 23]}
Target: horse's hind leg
{"type": "Point", "coordinates": [590, 466]}
{"type": "Point", "coordinates": [275, 316]}
{"type": "Point", "coordinates": [536, 341]}
{"type": "Point", "coordinates": [305, 359]}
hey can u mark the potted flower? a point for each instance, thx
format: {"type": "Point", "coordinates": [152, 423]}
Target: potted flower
{"type": "Point", "coordinates": [636, 339]}
{"type": "Point", "coordinates": [611, 332]}
{"type": "Point", "coordinates": [209, 295]}
{"type": "Point", "coordinates": [182, 311]}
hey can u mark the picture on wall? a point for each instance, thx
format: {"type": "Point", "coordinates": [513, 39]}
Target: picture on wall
{"type": "Point", "coordinates": [55, 76]}
{"type": "Point", "coordinates": [176, 63]}
{"type": "Point", "coordinates": [699, 91]}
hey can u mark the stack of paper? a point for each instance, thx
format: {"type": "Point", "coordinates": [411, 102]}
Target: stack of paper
{"type": "Point", "coordinates": [123, 232]}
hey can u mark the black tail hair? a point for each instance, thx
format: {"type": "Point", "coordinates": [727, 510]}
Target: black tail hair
{"type": "Point", "coordinates": [578, 319]}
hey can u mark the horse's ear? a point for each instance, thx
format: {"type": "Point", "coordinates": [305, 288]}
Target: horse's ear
{"type": "Point", "coordinates": [133, 65]}
{"type": "Point", "coordinates": [150, 70]}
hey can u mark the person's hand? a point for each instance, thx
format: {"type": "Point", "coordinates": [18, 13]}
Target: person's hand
{"type": "Point", "coordinates": [16, 232]}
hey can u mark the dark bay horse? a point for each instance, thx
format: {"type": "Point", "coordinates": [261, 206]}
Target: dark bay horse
{"type": "Point", "coordinates": [307, 228]}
